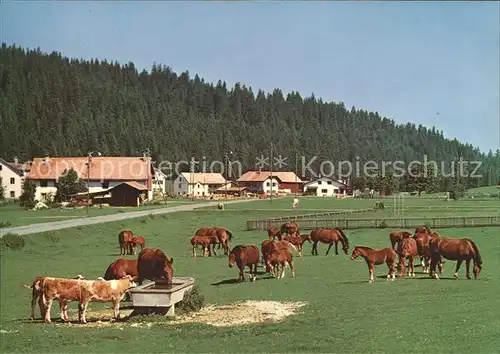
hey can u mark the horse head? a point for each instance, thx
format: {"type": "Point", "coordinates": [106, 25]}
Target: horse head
{"type": "Point", "coordinates": [355, 253]}
{"type": "Point", "coordinates": [168, 270]}
{"type": "Point", "coordinates": [232, 259]}
{"type": "Point", "coordinates": [306, 237]}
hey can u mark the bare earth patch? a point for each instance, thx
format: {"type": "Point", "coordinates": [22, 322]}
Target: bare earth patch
{"type": "Point", "coordinates": [240, 313]}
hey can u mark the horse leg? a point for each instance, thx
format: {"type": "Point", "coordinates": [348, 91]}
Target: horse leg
{"type": "Point", "coordinates": [371, 267]}
{"type": "Point", "coordinates": [292, 269]}
{"type": "Point", "coordinates": [330, 246]}
{"type": "Point", "coordinates": [467, 264]}
{"type": "Point", "coordinates": [336, 248]}
{"type": "Point", "coordinates": [411, 268]}
{"type": "Point", "coordinates": [459, 263]}
{"type": "Point", "coordinates": [314, 250]}
{"type": "Point", "coordinates": [283, 267]}
{"type": "Point", "coordinates": [242, 276]}
{"type": "Point", "coordinates": [194, 251]}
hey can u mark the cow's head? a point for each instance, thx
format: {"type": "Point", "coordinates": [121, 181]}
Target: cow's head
{"type": "Point", "coordinates": [130, 279]}
{"type": "Point", "coordinates": [168, 270]}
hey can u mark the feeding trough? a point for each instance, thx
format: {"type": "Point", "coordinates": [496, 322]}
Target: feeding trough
{"type": "Point", "coordinates": [159, 297]}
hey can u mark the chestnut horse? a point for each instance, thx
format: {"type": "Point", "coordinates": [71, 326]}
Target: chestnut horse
{"type": "Point", "coordinates": [121, 268]}
{"type": "Point", "coordinates": [422, 240]}
{"type": "Point", "coordinates": [329, 236]}
{"type": "Point", "coordinates": [298, 241]}
{"type": "Point", "coordinates": [273, 232]}
{"type": "Point", "coordinates": [223, 235]}
{"type": "Point", "coordinates": [422, 230]}
{"type": "Point", "coordinates": [280, 259]}
{"type": "Point", "coordinates": [291, 228]}
{"type": "Point", "coordinates": [375, 257]}
{"type": "Point", "coordinates": [136, 241]}
{"type": "Point", "coordinates": [152, 264]}
{"type": "Point", "coordinates": [397, 236]}
{"type": "Point", "coordinates": [463, 249]}
{"type": "Point", "coordinates": [267, 246]}
{"type": "Point", "coordinates": [205, 242]}
{"type": "Point", "coordinates": [124, 237]}
{"type": "Point", "coordinates": [245, 256]}
{"type": "Point", "coordinates": [407, 248]}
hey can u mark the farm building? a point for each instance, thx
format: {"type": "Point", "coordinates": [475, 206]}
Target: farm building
{"type": "Point", "coordinates": [325, 187]}
{"type": "Point", "coordinates": [13, 175]}
{"type": "Point", "coordinates": [123, 194]}
{"type": "Point", "coordinates": [199, 184]}
{"type": "Point", "coordinates": [102, 173]}
{"type": "Point", "coordinates": [233, 190]}
{"type": "Point", "coordinates": [265, 181]}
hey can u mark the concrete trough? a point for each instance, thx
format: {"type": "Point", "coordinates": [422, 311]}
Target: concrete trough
{"type": "Point", "coordinates": [159, 297]}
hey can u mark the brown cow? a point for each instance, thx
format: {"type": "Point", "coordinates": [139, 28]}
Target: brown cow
{"type": "Point", "coordinates": [124, 237]}
{"type": "Point", "coordinates": [298, 241]}
{"type": "Point", "coordinates": [36, 294]}
{"type": "Point", "coordinates": [396, 237]}
{"type": "Point", "coordinates": [205, 242]}
{"type": "Point", "coordinates": [153, 263]}
{"type": "Point", "coordinates": [136, 241]}
{"type": "Point", "coordinates": [278, 258]}
{"type": "Point", "coordinates": [245, 256]}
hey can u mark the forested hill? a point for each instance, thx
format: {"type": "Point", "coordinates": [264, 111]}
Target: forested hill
{"type": "Point", "coordinates": [61, 106]}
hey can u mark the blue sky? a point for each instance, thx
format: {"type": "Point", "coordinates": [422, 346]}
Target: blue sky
{"type": "Point", "coordinates": [408, 61]}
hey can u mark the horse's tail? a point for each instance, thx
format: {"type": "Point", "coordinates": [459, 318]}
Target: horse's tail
{"type": "Point", "coordinates": [109, 275]}
{"type": "Point", "coordinates": [229, 234]}
{"type": "Point", "coordinates": [343, 235]}
{"type": "Point", "coordinates": [292, 246]}
{"type": "Point", "coordinates": [477, 255]}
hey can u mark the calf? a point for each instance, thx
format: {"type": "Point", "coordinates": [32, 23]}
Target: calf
{"type": "Point", "coordinates": [267, 246]}
{"type": "Point", "coordinates": [36, 294]}
{"type": "Point", "coordinates": [205, 242]}
{"type": "Point", "coordinates": [278, 258]}
{"type": "Point", "coordinates": [298, 241]}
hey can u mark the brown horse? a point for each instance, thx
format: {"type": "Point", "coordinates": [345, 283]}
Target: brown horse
{"type": "Point", "coordinates": [222, 234]}
{"type": "Point", "coordinates": [422, 230]}
{"type": "Point", "coordinates": [407, 248]}
{"type": "Point", "coordinates": [375, 257]}
{"type": "Point", "coordinates": [137, 241]}
{"type": "Point", "coordinates": [280, 258]}
{"type": "Point", "coordinates": [124, 237]}
{"type": "Point", "coordinates": [205, 242]}
{"type": "Point", "coordinates": [463, 249]}
{"type": "Point", "coordinates": [267, 246]}
{"type": "Point", "coordinates": [245, 256]}
{"type": "Point", "coordinates": [121, 268]}
{"type": "Point", "coordinates": [397, 236]}
{"type": "Point", "coordinates": [423, 240]}
{"type": "Point", "coordinates": [329, 236]}
{"type": "Point", "coordinates": [273, 232]}
{"type": "Point", "coordinates": [152, 264]}
{"type": "Point", "coordinates": [298, 241]}
{"type": "Point", "coordinates": [290, 228]}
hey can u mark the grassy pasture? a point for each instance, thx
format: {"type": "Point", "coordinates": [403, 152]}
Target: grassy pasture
{"type": "Point", "coordinates": [344, 313]}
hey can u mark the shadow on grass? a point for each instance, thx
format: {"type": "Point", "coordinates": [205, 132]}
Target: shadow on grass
{"type": "Point", "coordinates": [236, 281]}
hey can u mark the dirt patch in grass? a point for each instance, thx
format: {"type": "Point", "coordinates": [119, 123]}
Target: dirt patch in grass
{"type": "Point", "coordinates": [242, 313]}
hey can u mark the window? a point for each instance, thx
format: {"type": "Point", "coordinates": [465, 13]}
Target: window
{"type": "Point", "coordinates": [12, 194]}
{"type": "Point", "coordinates": [180, 185]}
{"type": "Point", "coordinates": [1, 167]}
{"type": "Point", "coordinates": [105, 185]}
{"type": "Point", "coordinates": [329, 182]}
{"type": "Point", "coordinates": [324, 191]}
{"type": "Point", "coordinates": [267, 184]}
{"type": "Point", "coordinates": [274, 184]}
{"type": "Point", "coordinates": [12, 180]}
{"type": "Point", "coordinates": [319, 182]}
{"type": "Point", "coordinates": [43, 183]}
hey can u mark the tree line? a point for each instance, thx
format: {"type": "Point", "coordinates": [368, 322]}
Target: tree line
{"type": "Point", "coordinates": [67, 106]}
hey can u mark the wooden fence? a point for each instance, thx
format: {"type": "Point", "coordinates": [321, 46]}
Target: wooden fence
{"type": "Point", "coordinates": [393, 223]}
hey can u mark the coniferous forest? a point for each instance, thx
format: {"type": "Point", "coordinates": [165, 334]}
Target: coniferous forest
{"type": "Point", "coordinates": [61, 106]}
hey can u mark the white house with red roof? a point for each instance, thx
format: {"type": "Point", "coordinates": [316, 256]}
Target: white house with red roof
{"type": "Point", "coordinates": [198, 183]}
{"type": "Point", "coordinates": [265, 181]}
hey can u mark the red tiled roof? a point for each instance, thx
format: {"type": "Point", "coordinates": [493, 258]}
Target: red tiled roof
{"type": "Point", "coordinates": [261, 176]}
{"type": "Point", "coordinates": [204, 178]}
{"type": "Point", "coordinates": [135, 185]}
{"type": "Point", "coordinates": [101, 168]}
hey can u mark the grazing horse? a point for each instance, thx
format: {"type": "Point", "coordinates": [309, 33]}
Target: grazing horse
{"type": "Point", "coordinates": [375, 257]}
{"type": "Point", "coordinates": [245, 256]}
{"type": "Point", "coordinates": [397, 236]}
{"type": "Point", "coordinates": [267, 246]}
{"type": "Point", "coordinates": [463, 249]}
{"type": "Point", "coordinates": [423, 240]}
{"type": "Point", "coordinates": [277, 258]}
{"type": "Point", "coordinates": [152, 264]}
{"type": "Point", "coordinates": [298, 241]}
{"type": "Point", "coordinates": [222, 234]}
{"type": "Point", "coordinates": [205, 242]}
{"type": "Point", "coordinates": [124, 237]}
{"type": "Point", "coordinates": [121, 268]}
{"type": "Point", "coordinates": [273, 232]}
{"type": "Point", "coordinates": [407, 248]}
{"type": "Point", "coordinates": [137, 241]}
{"type": "Point", "coordinates": [291, 228]}
{"type": "Point", "coordinates": [329, 236]}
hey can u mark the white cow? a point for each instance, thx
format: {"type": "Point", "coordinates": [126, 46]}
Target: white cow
{"type": "Point", "coordinates": [295, 203]}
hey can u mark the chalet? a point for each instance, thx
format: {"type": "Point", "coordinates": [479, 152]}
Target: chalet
{"type": "Point", "coordinates": [101, 174]}
{"type": "Point", "coordinates": [13, 175]}
{"type": "Point", "coordinates": [266, 181]}
{"type": "Point", "coordinates": [325, 187]}
{"type": "Point", "coordinates": [198, 184]}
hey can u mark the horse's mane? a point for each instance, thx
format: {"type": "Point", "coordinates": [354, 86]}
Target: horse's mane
{"type": "Point", "coordinates": [343, 235]}
{"type": "Point", "coordinates": [365, 247]}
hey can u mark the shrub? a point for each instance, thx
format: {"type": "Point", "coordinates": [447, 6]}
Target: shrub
{"type": "Point", "coordinates": [193, 301]}
{"type": "Point", "coordinates": [12, 241]}
{"type": "Point", "coordinates": [5, 224]}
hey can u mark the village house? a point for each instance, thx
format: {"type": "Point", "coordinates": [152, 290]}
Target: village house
{"type": "Point", "coordinates": [198, 184]}
{"type": "Point", "coordinates": [102, 174]}
{"type": "Point", "coordinates": [13, 175]}
{"type": "Point", "coordinates": [266, 181]}
{"type": "Point", "coordinates": [159, 181]}
{"type": "Point", "coordinates": [325, 187]}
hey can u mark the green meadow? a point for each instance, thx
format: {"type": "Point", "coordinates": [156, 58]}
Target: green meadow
{"type": "Point", "coordinates": [343, 312]}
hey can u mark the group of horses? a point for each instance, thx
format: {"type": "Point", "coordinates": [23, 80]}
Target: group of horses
{"type": "Point", "coordinates": [128, 242]}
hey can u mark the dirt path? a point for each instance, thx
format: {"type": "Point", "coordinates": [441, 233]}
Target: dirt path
{"type": "Point", "coordinates": [64, 224]}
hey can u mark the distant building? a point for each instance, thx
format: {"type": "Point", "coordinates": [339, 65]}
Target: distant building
{"type": "Point", "coordinates": [267, 181]}
{"type": "Point", "coordinates": [325, 187]}
{"type": "Point", "coordinates": [13, 175]}
{"type": "Point", "coordinates": [198, 184]}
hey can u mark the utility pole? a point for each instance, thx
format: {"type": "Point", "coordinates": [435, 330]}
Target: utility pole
{"type": "Point", "coordinates": [89, 162]}
{"type": "Point", "coordinates": [226, 155]}
{"type": "Point", "coordinates": [296, 171]}
{"type": "Point", "coordinates": [147, 155]}
{"type": "Point", "coordinates": [191, 169]}
{"type": "Point", "coordinates": [271, 169]}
